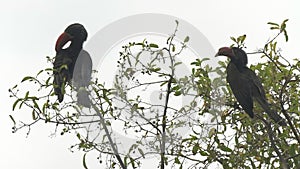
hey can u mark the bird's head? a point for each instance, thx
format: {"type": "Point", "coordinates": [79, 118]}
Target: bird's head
{"type": "Point", "coordinates": [74, 32]}
{"type": "Point", "coordinates": [237, 55]}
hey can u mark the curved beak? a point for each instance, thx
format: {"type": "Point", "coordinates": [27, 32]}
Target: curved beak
{"type": "Point", "coordinates": [62, 40]}
{"type": "Point", "coordinates": [225, 51]}
{"type": "Point", "coordinates": [217, 54]}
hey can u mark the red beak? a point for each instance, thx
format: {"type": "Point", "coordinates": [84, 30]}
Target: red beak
{"type": "Point", "coordinates": [225, 51]}
{"type": "Point", "coordinates": [62, 40]}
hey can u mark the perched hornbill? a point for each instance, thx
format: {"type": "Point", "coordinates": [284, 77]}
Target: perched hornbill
{"type": "Point", "coordinates": [71, 62]}
{"type": "Point", "coordinates": [244, 83]}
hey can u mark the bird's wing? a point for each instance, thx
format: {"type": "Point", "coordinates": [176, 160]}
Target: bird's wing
{"type": "Point", "coordinates": [83, 69]}
{"type": "Point", "coordinates": [61, 75]}
{"type": "Point", "coordinates": [241, 88]}
{"type": "Point", "coordinates": [258, 93]}
{"type": "Point", "coordinates": [256, 82]}
{"type": "Point", "coordinates": [61, 59]}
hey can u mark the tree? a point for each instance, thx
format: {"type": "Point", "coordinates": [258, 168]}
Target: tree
{"type": "Point", "coordinates": [219, 132]}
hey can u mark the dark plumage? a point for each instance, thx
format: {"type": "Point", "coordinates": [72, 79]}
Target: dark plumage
{"type": "Point", "coordinates": [71, 58]}
{"type": "Point", "coordinates": [244, 83]}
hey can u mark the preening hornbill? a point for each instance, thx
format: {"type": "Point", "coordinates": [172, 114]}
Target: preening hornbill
{"type": "Point", "coordinates": [71, 62]}
{"type": "Point", "coordinates": [244, 83]}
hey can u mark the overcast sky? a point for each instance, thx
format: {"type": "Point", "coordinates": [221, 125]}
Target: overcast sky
{"type": "Point", "coordinates": [29, 30]}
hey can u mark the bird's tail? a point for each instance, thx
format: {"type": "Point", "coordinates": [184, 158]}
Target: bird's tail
{"type": "Point", "coordinates": [83, 97]}
{"type": "Point", "coordinates": [273, 114]}
{"type": "Point", "coordinates": [59, 88]}
{"type": "Point", "coordinates": [278, 119]}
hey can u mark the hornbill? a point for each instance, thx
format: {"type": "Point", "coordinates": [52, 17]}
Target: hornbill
{"type": "Point", "coordinates": [244, 83]}
{"type": "Point", "coordinates": [71, 62]}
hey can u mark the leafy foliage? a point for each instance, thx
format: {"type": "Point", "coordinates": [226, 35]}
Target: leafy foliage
{"type": "Point", "coordinates": [216, 131]}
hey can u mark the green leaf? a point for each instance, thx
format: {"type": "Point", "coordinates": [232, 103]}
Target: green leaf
{"type": "Point", "coordinates": [125, 161]}
{"type": "Point", "coordinates": [137, 58]}
{"type": "Point", "coordinates": [14, 87]}
{"type": "Point", "coordinates": [113, 165]}
{"type": "Point", "coordinates": [163, 83]}
{"type": "Point", "coordinates": [203, 153]}
{"type": "Point", "coordinates": [283, 25]}
{"type": "Point", "coordinates": [286, 35]}
{"type": "Point", "coordinates": [47, 81]}
{"type": "Point", "coordinates": [224, 148]}
{"type": "Point", "coordinates": [141, 152]}
{"type": "Point", "coordinates": [232, 38]}
{"type": "Point", "coordinates": [15, 103]}
{"type": "Point", "coordinates": [132, 162]}
{"type": "Point", "coordinates": [177, 63]}
{"type": "Point", "coordinates": [107, 123]}
{"type": "Point", "coordinates": [211, 132]}
{"type": "Point", "coordinates": [27, 78]}
{"type": "Point", "coordinates": [177, 93]}
{"type": "Point", "coordinates": [169, 38]}
{"type": "Point", "coordinates": [205, 59]}
{"type": "Point", "coordinates": [177, 87]}
{"type": "Point", "coordinates": [272, 28]}
{"type": "Point", "coordinates": [35, 104]}
{"type": "Point", "coordinates": [78, 136]}
{"type": "Point", "coordinates": [272, 23]}
{"type": "Point", "coordinates": [11, 117]}
{"type": "Point", "coordinates": [133, 146]}
{"type": "Point", "coordinates": [84, 161]}
{"type": "Point", "coordinates": [34, 117]}
{"type": "Point", "coordinates": [195, 149]}
{"type": "Point", "coordinates": [177, 160]}
{"type": "Point", "coordinates": [274, 46]}
{"type": "Point", "coordinates": [26, 95]}
{"type": "Point", "coordinates": [41, 71]}
{"type": "Point", "coordinates": [45, 106]}
{"type": "Point", "coordinates": [152, 45]}
{"type": "Point", "coordinates": [49, 69]}
{"type": "Point", "coordinates": [155, 69]}
{"type": "Point", "coordinates": [187, 38]}
{"type": "Point", "coordinates": [241, 38]}
{"type": "Point", "coordinates": [140, 44]}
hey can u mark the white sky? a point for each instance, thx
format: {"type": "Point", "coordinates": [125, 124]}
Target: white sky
{"type": "Point", "coordinates": [29, 30]}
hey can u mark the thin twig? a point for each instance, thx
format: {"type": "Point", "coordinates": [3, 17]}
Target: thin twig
{"type": "Point", "coordinates": [112, 144]}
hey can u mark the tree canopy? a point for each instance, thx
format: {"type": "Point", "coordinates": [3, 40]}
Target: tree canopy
{"type": "Point", "coordinates": [194, 120]}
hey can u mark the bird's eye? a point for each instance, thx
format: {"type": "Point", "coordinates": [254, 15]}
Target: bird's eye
{"type": "Point", "coordinates": [67, 45]}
